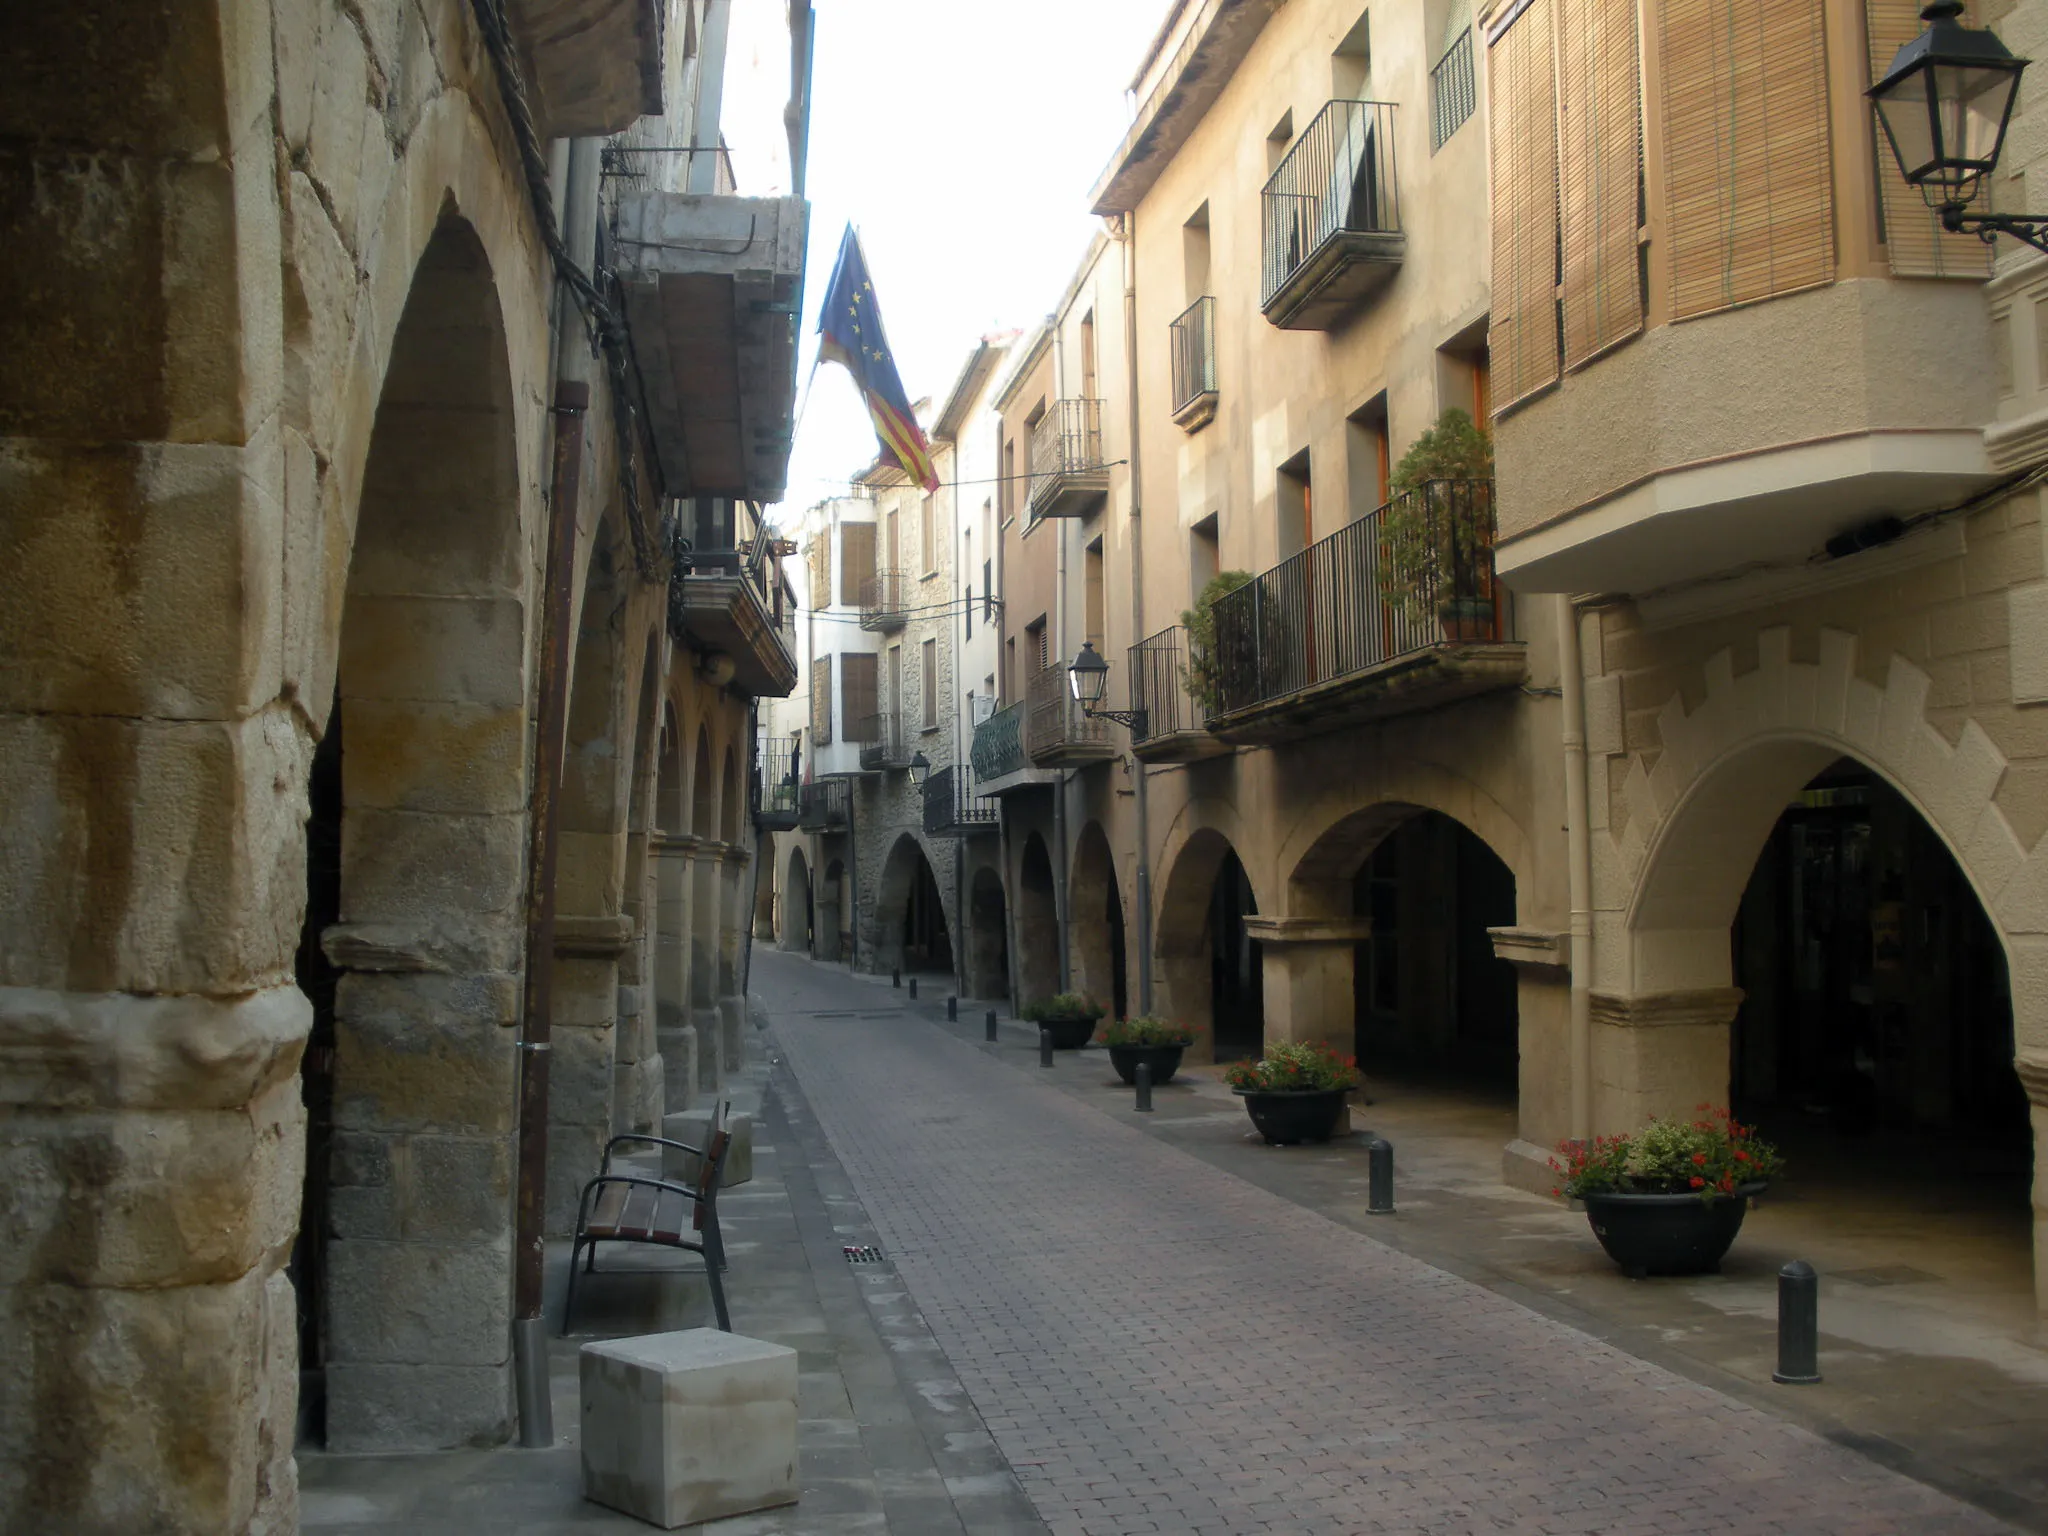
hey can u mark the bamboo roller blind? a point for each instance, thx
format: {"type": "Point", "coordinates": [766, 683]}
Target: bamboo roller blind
{"type": "Point", "coordinates": [859, 688]}
{"type": "Point", "coordinates": [1914, 239]}
{"type": "Point", "coordinates": [821, 569]}
{"type": "Point", "coordinates": [856, 559]}
{"type": "Point", "coordinates": [1522, 339]}
{"type": "Point", "coordinates": [1599, 130]}
{"type": "Point", "coordinates": [821, 700]}
{"type": "Point", "coordinates": [1748, 171]}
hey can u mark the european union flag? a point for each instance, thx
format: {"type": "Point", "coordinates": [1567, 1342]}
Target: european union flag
{"type": "Point", "coordinates": [851, 325]}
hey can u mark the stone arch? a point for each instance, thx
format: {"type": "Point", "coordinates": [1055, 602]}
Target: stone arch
{"type": "Point", "coordinates": [1184, 940]}
{"type": "Point", "coordinates": [433, 835]}
{"type": "Point", "coordinates": [796, 903]}
{"type": "Point", "coordinates": [913, 930]}
{"type": "Point", "coordinates": [1095, 899]}
{"type": "Point", "coordinates": [1038, 924]}
{"type": "Point", "coordinates": [988, 936]}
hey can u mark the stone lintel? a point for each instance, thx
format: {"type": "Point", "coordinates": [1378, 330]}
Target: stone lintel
{"type": "Point", "coordinates": [1710, 1006]}
{"type": "Point", "coordinates": [1533, 949]}
{"type": "Point", "coordinates": [1309, 930]}
{"type": "Point", "coordinates": [674, 843]}
{"type": "Point", "coordinates": [736, 854]}
{"type": "Point", "coordinates": [592, 938]}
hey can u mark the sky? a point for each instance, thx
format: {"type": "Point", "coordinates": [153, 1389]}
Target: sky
{"type": "Point", "coordinates": [962, 138]}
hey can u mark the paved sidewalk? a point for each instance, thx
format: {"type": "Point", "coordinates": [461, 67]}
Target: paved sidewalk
{"type": "Point", "coordinates": [887, 1440]}
{"type": "Point", "coordinates": [1161, 1346]}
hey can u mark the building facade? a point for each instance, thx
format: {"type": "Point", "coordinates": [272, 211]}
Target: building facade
{"type": "Point", "coordinates": [392, 454]}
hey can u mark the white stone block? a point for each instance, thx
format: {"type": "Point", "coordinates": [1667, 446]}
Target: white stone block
{"type": "Point", "coordinates": [693, 1127]}
{"type": "Point", "coordinates": [679, 1428]}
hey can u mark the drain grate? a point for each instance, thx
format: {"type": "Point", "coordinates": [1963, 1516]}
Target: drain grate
{"type": "Point", "coordinates": [865, 1253]}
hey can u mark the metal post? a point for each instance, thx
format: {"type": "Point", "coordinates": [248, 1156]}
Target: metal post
{"type": "Point", "coordinates": [896, 977]}
{"type": "Point", "coordinates": [1045, 1047]}
{"type": "Point", "coordinates": [952, 1010]}
{"type": "Point", "coordinates": [1798, 1325]}
{"type": "Point", "coordinates": [1144, 1077]}
{"type": "Point", "coordinates": [1379, 1177]}
{"type": "Point", "coordinates": [989, 1026]}
{"type": "Point", "coordinates": [913, 989]}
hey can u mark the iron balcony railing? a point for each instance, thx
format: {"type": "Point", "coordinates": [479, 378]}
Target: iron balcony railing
{"type": "Point", "coordinates": [1058, 725]}
{"type": "Point", "coordinates": [776, 792]}
{"type": "Point", "coordinates": [949, 810]}
{"type": "Point", "coordinates": [1066, 442]}
{"type": "Point", "coordinates": [1338, 176]}
{"type": "Point", "coordinates": [881, 740]}
{"type": "Point", "coordinates": [1159, 686]}
{"type": "Point", "coordinates": [999, 745]}
{"type": "Point", "coordinates": [1194, 354]}
{"type": "Point", "coordinates": [882, 602]}
{"type": "Point", "coordinates": [1414, 574]}
{"type": "Point", "coordinates": [824, 805]}
{"type": "Point", "coordinates": [1453, 91]}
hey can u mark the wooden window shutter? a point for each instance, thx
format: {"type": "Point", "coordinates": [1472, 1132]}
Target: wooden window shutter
{"type": "Point", "coordinates": [1749, 197]}
{"type": "Point", "coordinates": [857, 694]}
{"type": "Point", "coordinates": [856, 561]}
{"type": "Point", "coordinates": [1522, 111]}
{"type": "Point", "coordinates": [1600, 139]}
{"type": "Point", "coordinates": [1913, 237]}
{"type": "Point", "coordinates": [821, 569]}
{"type": "Point", "coordinates": [821, 701]}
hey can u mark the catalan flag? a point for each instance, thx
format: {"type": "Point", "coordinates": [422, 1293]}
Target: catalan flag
{"type": "Point", "coordinates": [851, 327]}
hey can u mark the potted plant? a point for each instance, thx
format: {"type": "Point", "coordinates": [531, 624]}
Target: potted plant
{"type": "Point", "coordinates": [1202, 676]}
{"type": "Point", "coordinates": [1070, 1016]}
{"type": "Point", "coordinates": [1437, 529]}
{"type": "Point", "coordinates": [1156, 1042]}
{"type": "Point", "coordinates": [1295, 1092]}
{"type": "Point", "coordinates": [1668, 1199]}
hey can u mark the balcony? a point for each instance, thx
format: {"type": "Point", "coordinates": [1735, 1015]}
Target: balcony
{"type": "Point", "coordinates": [882, 745]}
{"type": "Point", "coordinates": [1453, 91]}
{"type": "Point", "coordinates": [1068, 476]}
{"type": "Point", "coordinates": [1397, 613]}
{"type": "Point", "coordinates": [710, 287]}
{"type": "Point", "coordinates": [1193, 336]}
{"type": "Point", "coordinates": [1173, 730]}
{"type": "Point", "coordinates": [592, 66]}
{"type": "Point", "coordinates": [998, 749]}
{"type": "Point", "coordinates": [883, 605]}
{"type": "Point", "coordinates": [777, 794]}
{"type": "Point", "coordinates": [950, 811]}
{"type": "Point", "coordinates": [1057, 734]}
{"type": "Point", "coordinates": [1332, 218]}
{"type": "Point", "coordinates": [825, 806]}
{"type": "Point", "coordinates": [732, 603]}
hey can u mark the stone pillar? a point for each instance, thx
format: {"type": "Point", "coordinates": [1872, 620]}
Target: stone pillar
{"type": "Point", "coordinates": [1308, 978]}
{"type": "Point", "coordinates": [1659, 1054]}
{"type": "Point", "coordinates": [732, 907]}
{"type": "Point", "coordinates": [825, 910]}
{"type": "Point", "coordinates": [637, 1095]}
{"type": "Point", "coordinates": [584, 1060]}
{"type": "Point", "coordinates": [1543, 1088]}
{"type": "Point", "coordinates": [2032, 1066]}
{"type": "Point", "coordinates": [676, 1034]}
{"type": "Point", "coordinates": [706, 864]}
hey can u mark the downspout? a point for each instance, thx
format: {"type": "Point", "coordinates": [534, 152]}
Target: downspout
{"type": "Point", "coordinates": [1059, 652]}
{"type": "Point", "coordinates": [1579, 868]}
{"type": "Point", "coordinates": [536, 1030]}
{"type": "Point", "coordinates": [704, 130]}
{"type": "Point", "coordinates": [1137, 556]}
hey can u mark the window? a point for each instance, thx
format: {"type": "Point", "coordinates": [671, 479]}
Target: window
{"type": "Point", "coordinates": [858, 705]}
{"type": "Point", "coordinates": [1295, 506]}
{"type": "Point", "coordinates": [1205, 558]}
{"type": "Point", "coordinates": [1453, 82]}
{"type": "Point", "coordinates": [1091, 587]}
{"type": "Point", "coordinates": [1035, 646]}
{"type": "Point", "coordinates": [856, 562]}
{"type": "Point", "coordinates": [894, 702]}
{"type": "Point", "coordinates": [925, 549]}
{"type": "Point", "coordinates": [891, 549]}
{"type": "Point", "coordinates": [1088, 356]}
{"type": "Point", "coordinates": [1010, 668]}
{"type": "Point", "coordinates": [1278, 140]}
{"type": "Point", "coordinates": [1351, 63]}
{"type": "Point", "coordinates": [928, 678]}
{"type": "Point", "coordinates": [1367, 451]}
{"type": "Point", "coordinates": [1006, 487]}
{"type": "Point", "coordinates": [967, 607]}
{"type": "Point", "coordinates": [1194, 253]}
{"type": "Point", "coordinates": [988, 593]}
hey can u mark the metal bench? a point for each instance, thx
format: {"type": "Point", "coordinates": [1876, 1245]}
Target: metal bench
{"type": "Point", "coordinates": [633, 1208]}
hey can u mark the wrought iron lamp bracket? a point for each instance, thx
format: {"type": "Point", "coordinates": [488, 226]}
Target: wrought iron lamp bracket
{"type": "Point", "coordinates": [2029, 227]}
{"type": "Point", "coordinates": [1132, 720]}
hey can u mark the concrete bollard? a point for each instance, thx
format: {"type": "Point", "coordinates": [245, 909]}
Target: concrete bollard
{"type": "Point", "coordinates": [896, 977]}
{"type": "Point", "coordinates": [1144, 1077]}
{"type": "Point", "coordinates": [1798, 1325]}
{"type": "Point", "coordinates": [1379, 1177]}
{"type": "Point", "coordinates": [952, 1010]}
{"type": "Point", "coordinates": [1045, 1047]}
{"type": "Point", "coordinates": [913, 989]}
{"type": "Point", "coordinates": [989, 1027]}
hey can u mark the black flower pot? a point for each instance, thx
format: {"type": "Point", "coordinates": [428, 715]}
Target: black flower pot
{"type": "Point", "coordinates": [1070, 1031]}
{"type": "Point", "coordinates": [1667, 1234]}
{"type": "Point", "coordinates": [1286, 1117]}
{"type": "Point", "coordinates": [1164, 1060]}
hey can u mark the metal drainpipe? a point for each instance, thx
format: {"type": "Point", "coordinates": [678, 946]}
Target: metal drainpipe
{"type": "Point", "coordinates": [1059, 654]}
{"type": "Point", "coordinates": [1137, 557]}
{"type": "Point", "coordinates": [1579, 868]}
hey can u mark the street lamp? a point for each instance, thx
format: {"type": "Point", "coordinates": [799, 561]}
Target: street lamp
{"type": "Point", "coordinates": [1944, 105]}
{"type": "Point", "coordinates": [920, 765]}
{"type": "Point", "coordinates": [1088, 676]}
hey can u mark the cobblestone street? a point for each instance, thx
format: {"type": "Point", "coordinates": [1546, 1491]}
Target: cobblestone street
{"type": "Point", "coordinates": [1159, 1346]}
